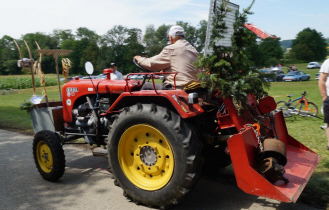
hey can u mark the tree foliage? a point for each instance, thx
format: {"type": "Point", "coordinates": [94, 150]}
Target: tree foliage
{"type": "Point", "coordinates": [271, 52]}
{"type": "Point", "coordinates": [229, 69]}
{"type": "Point", "coordinates": [309, 45]}
{"type": "Point", "coordinates": [119, 44]}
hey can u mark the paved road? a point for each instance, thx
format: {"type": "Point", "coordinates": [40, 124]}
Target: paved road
{"type": "Point", "coordinates": [86, 185]}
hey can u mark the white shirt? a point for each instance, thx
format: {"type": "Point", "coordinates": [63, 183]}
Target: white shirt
{"type": "Point", "coordinates": [325, 69]}
{"type": "Point", "coordinates": [116, 75]}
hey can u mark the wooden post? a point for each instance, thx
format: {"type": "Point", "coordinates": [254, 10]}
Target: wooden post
{"type": "Point", "coordinates": [33, 80]}
{"type": "Point", "coordinates": [57, 72]}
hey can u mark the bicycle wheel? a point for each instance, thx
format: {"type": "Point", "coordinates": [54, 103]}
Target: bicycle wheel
{"type": "Point", "coordinates": [310, 110]}
{"type": "Point", "coordinates": [282, 106]}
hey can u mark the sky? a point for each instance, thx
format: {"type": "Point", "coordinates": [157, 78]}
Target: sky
{"type": "Point", "coordinates": [283, 18]}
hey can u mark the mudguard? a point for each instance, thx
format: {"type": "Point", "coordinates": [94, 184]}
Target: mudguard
{"type": "Point", "coordinates": [301, 164]}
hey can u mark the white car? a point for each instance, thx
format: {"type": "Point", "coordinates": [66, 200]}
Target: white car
{"type": "Point", "coordinates": [313, 65]}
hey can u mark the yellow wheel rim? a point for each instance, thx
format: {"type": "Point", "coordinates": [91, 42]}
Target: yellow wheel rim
{"type": "Point", "coordinates": [44, 157]}
{"type": "Point", "coordinates": [145, 157]}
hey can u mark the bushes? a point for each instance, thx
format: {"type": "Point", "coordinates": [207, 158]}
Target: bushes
{"type": "Point", "coordinates": [24, 81]}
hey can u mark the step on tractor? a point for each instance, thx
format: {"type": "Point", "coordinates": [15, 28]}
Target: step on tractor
{"type": "Point", "coordinates": [159, 142]}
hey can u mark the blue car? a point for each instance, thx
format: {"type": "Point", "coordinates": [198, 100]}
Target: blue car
{"type": "Point", "coordinates": [296, 76]}
{"type": "Point", "coordinates": [272, 75]}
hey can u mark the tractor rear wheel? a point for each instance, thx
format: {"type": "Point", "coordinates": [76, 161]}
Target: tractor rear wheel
{"type": "Point", "coordinates": [154, 155]}
{"type": "Point", "coordinates": [48, 155]}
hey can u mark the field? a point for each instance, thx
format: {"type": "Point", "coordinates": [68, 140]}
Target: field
{"type": "Point", "coordinates": [24, 81]}
{"type": "Point", "coordinates": [305, 129]}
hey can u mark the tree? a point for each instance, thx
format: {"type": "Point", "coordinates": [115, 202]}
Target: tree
{"type": "Point", "coordinates": [60, 35]}
{"type": "Point", "coordinates": [120, 45]}
{"type": "Point", "coordinates": [253, 51]}
{"type": "Point", "coordinates": [201, 35]}
{"type": "Point", "coordinates": [45, 42]}
{"type": "Point", "coordinates": [115, 36]}
{"type": "Point", "coordinates": [133, 47]}
{"type": "Point", "coordinates": [271, 52]}
{"type": "Point", "coordinates": [229, 69]}
{"type": "Point", "coordinates": [85, 33]}
{"type": "Point", "coordinates": [113, 46]}
{"type": "Point", "coordinates": [152, 44]}
{"type": "Point", "coordinates": [8, 56]}
{"type": "Point", "coordinates": [155, 39]}
{"type": "Point", "coordinates": [309, 45]}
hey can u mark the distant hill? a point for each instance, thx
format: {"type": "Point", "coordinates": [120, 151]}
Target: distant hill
{"type": "Point", "coordinates": [286, 43]}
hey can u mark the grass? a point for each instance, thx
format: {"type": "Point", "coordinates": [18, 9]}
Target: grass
{"type": "Point", "coordinates": [10, 114]}
{"type": "Point", "coordinates": [304, 129]}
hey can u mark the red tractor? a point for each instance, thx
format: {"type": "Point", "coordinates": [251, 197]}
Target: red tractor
{"type": "Point", "coordinates": [160, 141]}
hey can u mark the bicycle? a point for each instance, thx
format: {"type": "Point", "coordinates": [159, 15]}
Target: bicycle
{"type": "Point", "coordinates": [299, 106]}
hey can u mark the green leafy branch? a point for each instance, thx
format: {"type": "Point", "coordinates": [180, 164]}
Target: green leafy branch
{"type": "Point", "coordinates": [228, 69]}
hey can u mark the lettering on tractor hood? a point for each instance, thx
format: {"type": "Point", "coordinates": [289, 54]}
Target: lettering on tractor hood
{"type": "Point", "coordinates": [70, 91]}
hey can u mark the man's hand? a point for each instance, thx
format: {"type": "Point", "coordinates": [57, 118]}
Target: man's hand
{"type": "Point", "coordinates": [137, 57]}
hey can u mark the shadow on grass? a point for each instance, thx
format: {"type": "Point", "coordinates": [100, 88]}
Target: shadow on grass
{"type": "Point", "coordinates": [316, 192]}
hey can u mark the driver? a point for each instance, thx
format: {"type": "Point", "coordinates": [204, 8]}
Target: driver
{"type": "Point", "coordinates": [178, 57]}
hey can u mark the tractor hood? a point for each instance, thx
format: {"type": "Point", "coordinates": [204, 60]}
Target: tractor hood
{"type": "Point", "coordinates": [87, 86]}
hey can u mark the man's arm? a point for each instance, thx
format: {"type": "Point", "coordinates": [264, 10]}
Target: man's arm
{"type": "Point", "coordinates": [155, 63]}
{"type": "Point", "coordinates": [322, 85]}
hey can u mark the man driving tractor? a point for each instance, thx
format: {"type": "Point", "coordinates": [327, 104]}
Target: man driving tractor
{"type": "Point", "coordinates": [178, 57]}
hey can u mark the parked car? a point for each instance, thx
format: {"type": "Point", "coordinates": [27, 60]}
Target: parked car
{"type": "Point", "coordinates": [296, 76]}
{"type": "Point", "coordinates": [277, 68]}
{"type": "Point", "coordinates": [313, 65]}
{"type": "Point", "coordinates": [272, 75]}
{"type": "Point", "coordinates": [138, 77]}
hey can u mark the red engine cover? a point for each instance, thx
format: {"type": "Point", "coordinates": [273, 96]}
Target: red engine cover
{"type": "Point", "coordinates": [74, 89]}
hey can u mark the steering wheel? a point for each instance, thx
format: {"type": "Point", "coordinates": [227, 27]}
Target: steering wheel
{"type": "Point", "coordinates": [141, 69]}
{"type": "Point", "coordinates": [139, 66]}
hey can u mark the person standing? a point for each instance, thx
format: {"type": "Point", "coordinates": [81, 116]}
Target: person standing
{"type": "Point", "coordinates": [324, 91]}
{"type": "Point", "coordinates": [178, 57]}
{"type": "Point", "coordinates": [115, 75]}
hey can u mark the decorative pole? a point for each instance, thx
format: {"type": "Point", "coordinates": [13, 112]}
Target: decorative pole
{"type": "Point", "coordinates": [38, 69]}
{"type": "Point", "coordinates": [31, 66]}
{"type": "Point", "coordinates": [56, 53]}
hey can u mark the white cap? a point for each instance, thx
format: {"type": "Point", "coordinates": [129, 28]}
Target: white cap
{"type": "Point", "coordinates": [176, 31]}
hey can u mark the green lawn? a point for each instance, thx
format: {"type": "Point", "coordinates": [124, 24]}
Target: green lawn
{"type": "Point", "coordinates": [10, 114]}
{"type": "Point", "coordinates": [306, 130]}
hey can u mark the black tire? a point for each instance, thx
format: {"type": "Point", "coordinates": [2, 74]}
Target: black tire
{"type": "Point", "coordinates": [312, 111]}
{"type": "Point", "coordinates": [281, 106]}
{"type": "Point", "coordinates": [47, 144]}
{"type": "Point", "coordinates": [185, 146]}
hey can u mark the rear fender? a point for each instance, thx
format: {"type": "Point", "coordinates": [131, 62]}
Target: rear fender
{"type": "Point", "coordinates": [176, 102]}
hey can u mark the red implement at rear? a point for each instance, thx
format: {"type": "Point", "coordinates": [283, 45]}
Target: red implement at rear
{"type": "Point", "coordinates": [301, 164]}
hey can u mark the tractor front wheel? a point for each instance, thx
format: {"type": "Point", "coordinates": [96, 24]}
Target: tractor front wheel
{"type": "Point", "coordinates": [154, 155]}
{"type": "Point", "coordinates": [48, 155]}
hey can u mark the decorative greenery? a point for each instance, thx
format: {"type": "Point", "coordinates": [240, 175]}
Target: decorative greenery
{"type": "Point", "coordinates": [228, 69]}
